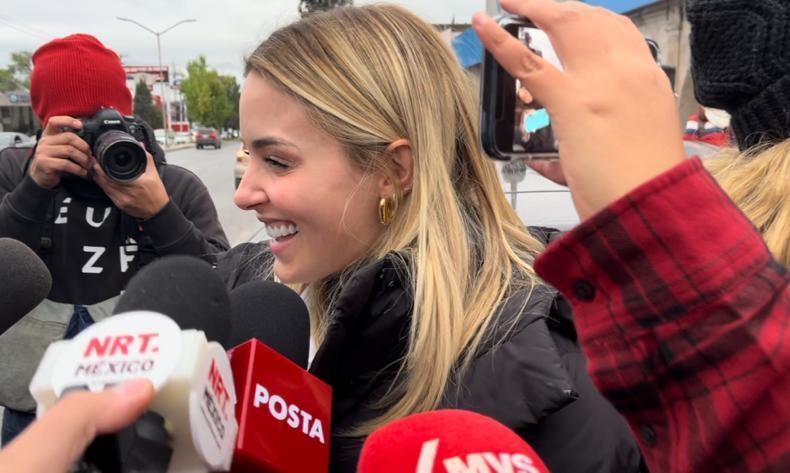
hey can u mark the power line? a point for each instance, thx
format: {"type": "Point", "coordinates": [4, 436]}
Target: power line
{"type": "Point", "coordinates": [28, 27]}
{"type": "Point", "coordinates": [23, 29]}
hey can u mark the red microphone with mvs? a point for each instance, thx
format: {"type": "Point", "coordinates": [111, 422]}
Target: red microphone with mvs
{"type": "Point", "coordinates": [447, 441]}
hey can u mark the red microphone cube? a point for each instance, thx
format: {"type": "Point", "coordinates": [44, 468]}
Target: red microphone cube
{"type": "Point", "coordinates": [284, 413]}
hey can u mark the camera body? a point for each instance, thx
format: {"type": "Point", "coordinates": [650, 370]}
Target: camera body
{"type": "Point", "coordinates": [115, 142]}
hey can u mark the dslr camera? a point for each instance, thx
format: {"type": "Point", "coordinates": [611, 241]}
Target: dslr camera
{"type": "Point", "coordinates": [115, 142]}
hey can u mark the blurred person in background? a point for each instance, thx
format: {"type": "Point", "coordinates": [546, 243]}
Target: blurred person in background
{"type": "Point", "coordinates": [93, 232]}
{"type": "Point", "coordinates": [365, 166]}
{"type": "Point", "coordinates": [710, 126]}
{"type": "Point", "coordinates": [740, 61]}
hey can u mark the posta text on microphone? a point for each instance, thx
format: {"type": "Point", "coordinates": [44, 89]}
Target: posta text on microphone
{"type": "Point", "coordinates": [195, 395]}
{"type": "Point", "coordinates": [283, 411]}
{"type": "Point", "coordinates": [447, 441]}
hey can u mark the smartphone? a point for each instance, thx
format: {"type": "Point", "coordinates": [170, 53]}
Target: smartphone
{"type": "Point", "coordinates": [511, 129]}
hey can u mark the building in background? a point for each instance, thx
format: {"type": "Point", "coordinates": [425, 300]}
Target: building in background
{"type": "Point", "coordinates": [664, 21]}
{"type": "Point", "coordinates": [159, 82]}
{"type": "Point", "coordinates": [16, 114]}
{"type": "Point", "coordinates": [465, 43]}
{"type": "Point", "coordinates": [466, 46]}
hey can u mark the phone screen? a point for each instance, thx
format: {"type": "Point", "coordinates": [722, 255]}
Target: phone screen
{"type": "Point", "coordinates": [532, 132]}
{"type": "Point", "coordinates": [510, 128]}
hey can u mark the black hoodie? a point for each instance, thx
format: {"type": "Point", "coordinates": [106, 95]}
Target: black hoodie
{"type": "Point", "coordinates": [89, 245]}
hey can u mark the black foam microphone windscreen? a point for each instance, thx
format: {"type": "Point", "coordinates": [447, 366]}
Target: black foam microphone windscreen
{"type": "Point", "coordinates": [274, 315]}
{"type": "Point", "coordinates": [24, 281]}
{"type": "Point", "coordinates": [184, 288]}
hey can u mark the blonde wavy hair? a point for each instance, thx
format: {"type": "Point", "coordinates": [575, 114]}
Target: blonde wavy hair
{"type": "Point", "coordinates": [375, 74]}
{"type": "Point", "coordinates": [758, 181]}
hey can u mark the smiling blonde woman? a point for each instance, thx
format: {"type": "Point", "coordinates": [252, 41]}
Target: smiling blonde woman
{"type": "Point", "coordinates": [366, 169]}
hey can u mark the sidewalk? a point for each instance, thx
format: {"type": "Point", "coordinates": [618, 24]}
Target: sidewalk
{"type": "Point", "coordinates": [174, 147]}
{"type": "Point", "coordinates": [178, 147]}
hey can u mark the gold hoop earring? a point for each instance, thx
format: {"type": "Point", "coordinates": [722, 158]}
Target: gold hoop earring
{"type": "Point", "coordinates": [386, 210]}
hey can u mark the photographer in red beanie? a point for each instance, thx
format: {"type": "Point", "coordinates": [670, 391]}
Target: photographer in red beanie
{"type": "Point", "coordinates": [93, 230]}
{"type": "Point", "coordinates": [77, 75]}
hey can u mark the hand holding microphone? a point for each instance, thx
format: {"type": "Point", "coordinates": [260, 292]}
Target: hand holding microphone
{"type": "Point", "coordinates": [67, 429]}
{"type": "Point", "coordinates": [283, 411]}
{"type": "Point", "coordinates": [190, 425]}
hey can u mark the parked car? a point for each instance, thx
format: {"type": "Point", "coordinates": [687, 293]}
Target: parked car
{"type": "Point", "coordinates": [159, 134]}
{"type": "Point", "coordinates": [242, 160]}
{"type": "Point", "coordinates": [182, 137]}
{"type": "Point", "coordinates": [538, 201]}
{"type": "Point", "coordinates": [207, 137]}
{"type": "Point", "coordinates": [230, 134]}
{"type": "Point", "coordinates": [13, 138]}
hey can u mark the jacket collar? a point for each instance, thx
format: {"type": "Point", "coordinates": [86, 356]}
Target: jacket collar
{"type": "Point", "coordinates": [374, 302]}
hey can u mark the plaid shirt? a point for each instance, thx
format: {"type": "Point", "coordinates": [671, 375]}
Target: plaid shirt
{"type": "Point", "coordinates": [685, 318]}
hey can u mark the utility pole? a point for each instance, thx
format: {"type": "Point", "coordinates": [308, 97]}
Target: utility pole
{"type": "Point", "coordinates": [158, 34]}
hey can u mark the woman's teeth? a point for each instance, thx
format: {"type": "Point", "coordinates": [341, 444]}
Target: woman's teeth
{"type": "Point", "coordinates": [279, 231]}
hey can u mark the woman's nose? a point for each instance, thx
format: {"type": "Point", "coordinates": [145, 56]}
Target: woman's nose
{"type": "Point", "coordinates": [249, 194]}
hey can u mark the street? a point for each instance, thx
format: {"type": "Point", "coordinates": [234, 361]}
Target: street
{"type": "Point", "coordinates": [215, 168]}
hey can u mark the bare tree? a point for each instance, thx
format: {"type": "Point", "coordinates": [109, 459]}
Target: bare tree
{"type": "Point", "coordinates": [308, 7]}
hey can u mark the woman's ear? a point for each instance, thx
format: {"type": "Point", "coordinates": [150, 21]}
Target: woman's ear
{"type": "Point", "coordinates": [401, 163]}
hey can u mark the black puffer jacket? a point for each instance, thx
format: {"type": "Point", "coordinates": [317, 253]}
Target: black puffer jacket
{"type": "Point", "coordinates": [535, 382]}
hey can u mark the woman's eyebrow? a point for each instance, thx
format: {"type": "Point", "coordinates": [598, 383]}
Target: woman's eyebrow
{"type": "Point", "coordinates": [270, 141]}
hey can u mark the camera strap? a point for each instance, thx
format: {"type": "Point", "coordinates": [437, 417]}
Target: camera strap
{"type": "Point", "coordinates": [146, 253]}
{"type": "Point", "coordinates": [44, 250]}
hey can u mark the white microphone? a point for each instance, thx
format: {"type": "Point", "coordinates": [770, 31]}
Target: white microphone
{"type": "Point", "coordinates": [193, 412]}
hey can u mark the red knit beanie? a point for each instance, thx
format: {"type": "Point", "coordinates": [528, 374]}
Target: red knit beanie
{"type": "Point", "coordinates": [76, 76]}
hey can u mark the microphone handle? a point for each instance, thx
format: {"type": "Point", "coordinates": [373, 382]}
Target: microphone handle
{"type": "Point", "coordinates": [144, 445]}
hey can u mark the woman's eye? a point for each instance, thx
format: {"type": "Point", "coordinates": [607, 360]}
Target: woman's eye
{"type": "Point", "coordinates": [275, 163]}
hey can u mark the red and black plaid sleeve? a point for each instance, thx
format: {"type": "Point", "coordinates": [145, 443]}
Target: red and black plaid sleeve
{"type": "Point", "coordinates": [685, 318]}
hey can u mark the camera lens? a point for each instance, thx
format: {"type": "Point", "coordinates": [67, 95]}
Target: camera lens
{"type": "Point", "coordinates": [120, 155]}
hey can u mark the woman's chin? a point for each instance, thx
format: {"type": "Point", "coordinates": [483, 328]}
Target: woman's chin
{"type": "Point", "coordinates": [287, 274]}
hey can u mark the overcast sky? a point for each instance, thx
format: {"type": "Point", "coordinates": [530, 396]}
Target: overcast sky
{"type": "Point", "coordinates": [224, 32]}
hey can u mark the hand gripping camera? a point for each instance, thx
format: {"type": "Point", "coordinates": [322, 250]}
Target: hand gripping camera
{"type": "Point", "coordinates": [115, 142]}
